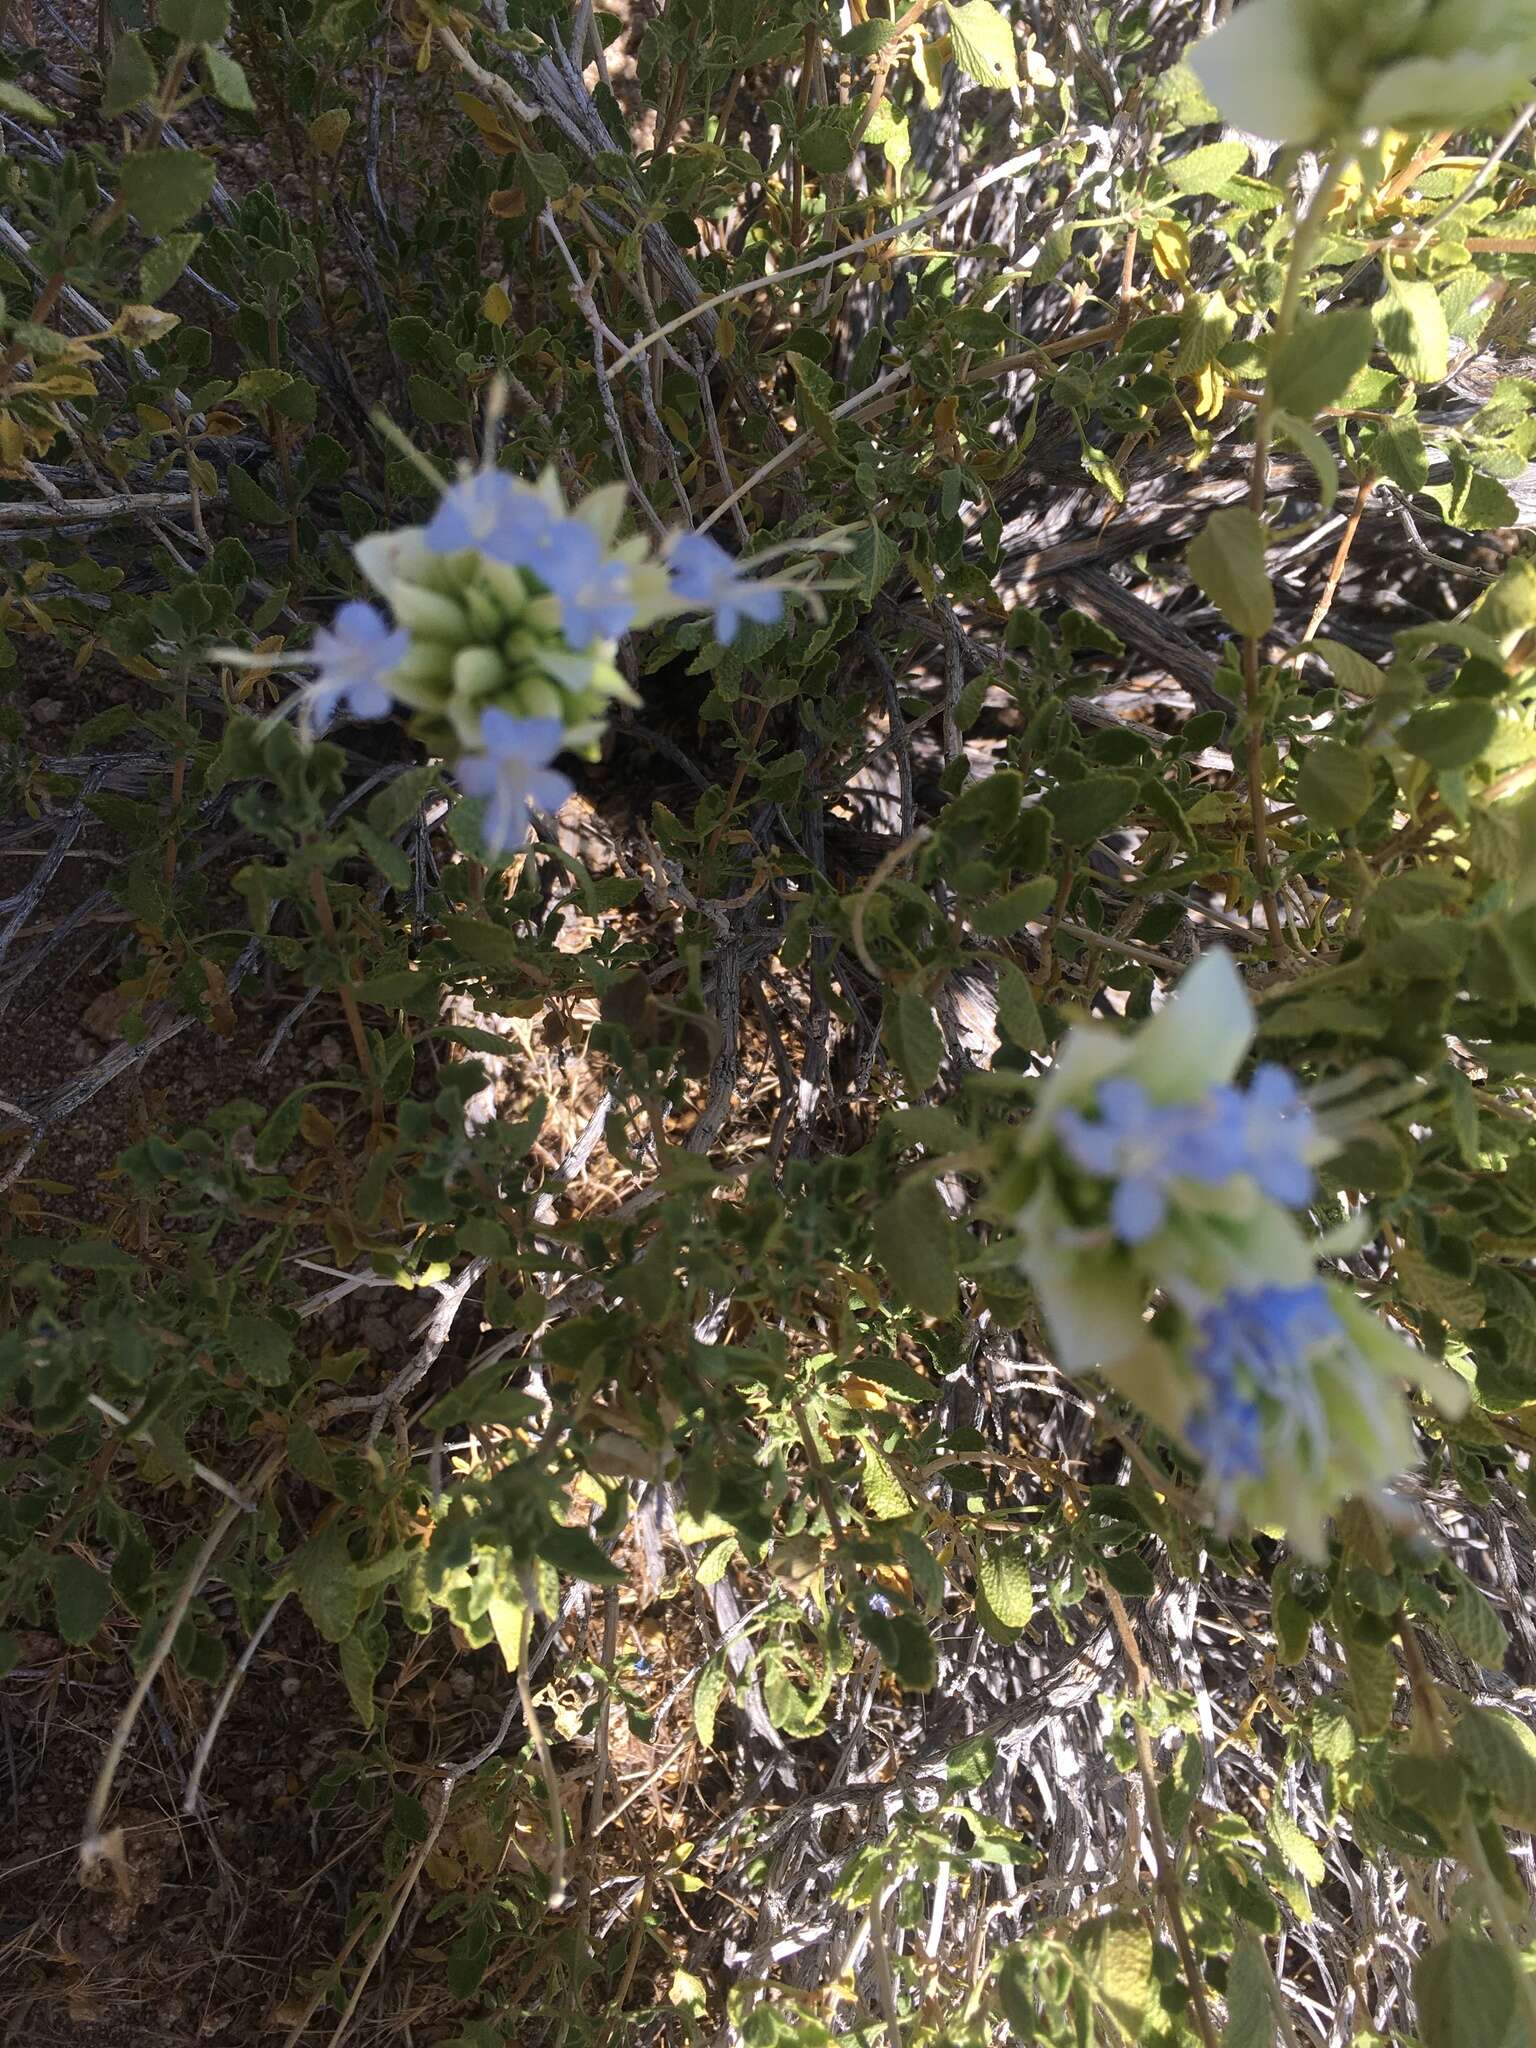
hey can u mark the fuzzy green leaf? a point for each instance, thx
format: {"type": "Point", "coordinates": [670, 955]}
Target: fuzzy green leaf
{"type": "Point", "coordinates": [1227, 561]}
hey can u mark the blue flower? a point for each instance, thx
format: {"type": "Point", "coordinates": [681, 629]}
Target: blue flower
{"type": "Point", "coordinates": [1127, 1144]}
{"type": "Point", "coordinates": [493, 513]}
{"type": "Point", "coordinates": [1257, 1342]}
{"type": "Point", "coordinates": [1145, 1147]}
{"type": "Point", "coordinates": [1265, 1334]}
{"type": "Point", "coordinates": [353, 655]}
{"type": "Point", "coordinates": [1226, 1434]}
{"type": "Point", "coordinates": [596, 600]}
{"type": "Point", "coordinates": [513, 775]}
{"type": "Point", "coordinates": [1279, 1134]}
{"type": "Point", "coordinates": [704, 574]}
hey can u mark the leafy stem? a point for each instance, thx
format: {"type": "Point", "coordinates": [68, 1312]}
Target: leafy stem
{"type": "Point", "coordinates": [1308, 227]}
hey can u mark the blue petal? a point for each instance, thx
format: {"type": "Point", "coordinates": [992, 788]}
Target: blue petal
{"type": "Point", "coordinates": [760, 602]}
{"type": "Point", "coordinates": [359, 622]}
{"type": "Point", "coordinates": [1273, 1089]}
{"type": "Point", "coordinates": [548, 788]}
{"type": "Point", "coordinates": [1093, 1147]}
{"type": "Point", "coordinates": [1289, 1181]}
{"type": "Point", "coordinates": [1137, 1209]}
{"type": "Point", "coordinates": [509, 738]}
{"type": "Point", "coordinates": [697, 565]}
{"type": "Point", "coordinates": [1123, 1103]}
{"type": "Point", "coordinates": [476, 775]}
{"type": "Point", "coordinates": [368, 699]}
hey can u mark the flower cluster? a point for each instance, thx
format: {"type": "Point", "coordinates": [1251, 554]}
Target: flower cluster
{"type": "Point", "coordinates": [507, 608]}
{"type": "Point", "coordinates": [1154, 1200]}
{"type": "Point", "coordinates": [1305, 71]}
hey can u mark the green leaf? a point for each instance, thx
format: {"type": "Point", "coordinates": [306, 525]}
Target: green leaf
{"type": "Point", "coordinates": [884, 1494]}
{"type": "Point", "coordinates": [866, 37]}
{"type": "Point", "coordinates": [162, 188]}
{"type": "Point", "coordinates": [1310, 443]}
{"type": "Point", "coordinates": [1451, 734]}
{"type": "Point", "coordinates": [915, 1039]}
{"type": "Point", "coordinates": [81, 1596]}
{"type": "Point", "coordinates": [1130, 1575]}
{"type": "Point", "coordinates": [970, 1763]}
{"type": "Point", "coordinates": [1210, 168]}
{"type": "Point", "coordinates": [1297, 1849]}
{"type": "Point", "coordinates": [1227, 561]}
{"type": "Point", "coordinates": [1117, 1962]}
{"type": "Point", "coordinates": [983, 44]}
{"type": "Point", "coordinates": [1336, 783]}
{"type": "Point", "coordinates": [251, 500]}
{"type": "Point", "coordinates": [707, 1695]}
{"type": "Point", "coordinates": [1413, 331]}
{"type": "Point", "coordinates": [1250, 2009]}
{"type": "Point", "coordinates": [916, 1662]}
{"type": "Point", "coordinates": [1003, 1573]}
{"type": "Point", "coordinates": [325, 1581]}
{"type": "Point", "coordinates": [1473, 1624]}
{"type": "Point", "coordinates": [308, 1455]}
{"type": "Point", "coordinates": [1018, 907]}
{"type": "Point", "coordinates": [1084, 811]}
{"type": "Point", "coordinates": [261, 1349]}
{"type": "Point", "coordinates": [359, 1669]}
{"type": "Point", "coordinates": [1398, 451]}
{"type": "Point", "coordinates": [1178, 1790]}
{"type": "Point", "coordinates": [1319, 360]}
{"type": "Point", "coordinates": [573, 1551]}
{"type": "Point", "coordinates": [1353, 672]}
{"type": "Point", "coordinates": [435, 403]}
{"type": "Point", "coordinates": [195, 21]}
{"type": "Point", "coordinates": [1435, 1786]}
{"type": "Point", "coordinates": [163, 264]}
{"type": "Point", "coordinates": [1293, 1626]}
{"type": "Point", "coordinates": [409, 1818]}
{"type": "Point", "coordinates": [716, 1561]}
{"type": "Point", "coordinates": [1453, 1299]}
{"type": "Point", "coordinates": [826, 144]}
{"type": "Point", "coordinates": [1465, 1989]}
{"type": "Point", "coordinates": [1372, 1685]}
{"type": "Point", "coordinates": [1017, 1011]}
{"type": "Point", "coordinates": [871, 559]}
{"type": "Point", "coordinates": [915, 1241]}
{"type": "Point", "coordinates": [16, 100]}
{"type": "Point", "coordinates": [551, 176]}
{"type": "Point", "coordinates": [131, 76]}
{"type": "Point", "coordinates": [1500, 1755]}
{"type": "Point", "coordinates": [227, 81]}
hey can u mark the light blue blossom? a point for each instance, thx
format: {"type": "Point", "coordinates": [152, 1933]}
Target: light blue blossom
{"type": "Point", "coordinates": [1279, 1138]}
{"type": "Point", "coordinates": [503, 520]}
{"type": "Point", "coordinates": [1226, 1432]}
{"type": "Point", "coordinates": [514, 775]}
{"type": "Point", "coordinates": [596, 599]}
{"type": "Point", "coordinates": [1145, 1147]}
{"type": "Point", "coordinates": [703, 574]}
{"type": "Point", "coordinates": [1265, 1334]}
{"type": "Point", "coordinates": [353, 656]}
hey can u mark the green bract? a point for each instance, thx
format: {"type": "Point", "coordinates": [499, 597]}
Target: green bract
{"type": "Point", "coordinates": [1308, 70]}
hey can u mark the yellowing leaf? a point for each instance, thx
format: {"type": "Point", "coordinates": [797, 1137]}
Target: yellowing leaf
{"type": "Point", "coordinates": [489, 122]}
{"type": "Point", "coordinates": [1170, 250]}
{"type": "Point", "coordinates": [496, 306]}
{"type": "Point", "coordinates": [983, 43]}
{"type": "Point", "coordinates": [328, 131]}
{"type": "Point", "coordinates": [1210, 393]}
